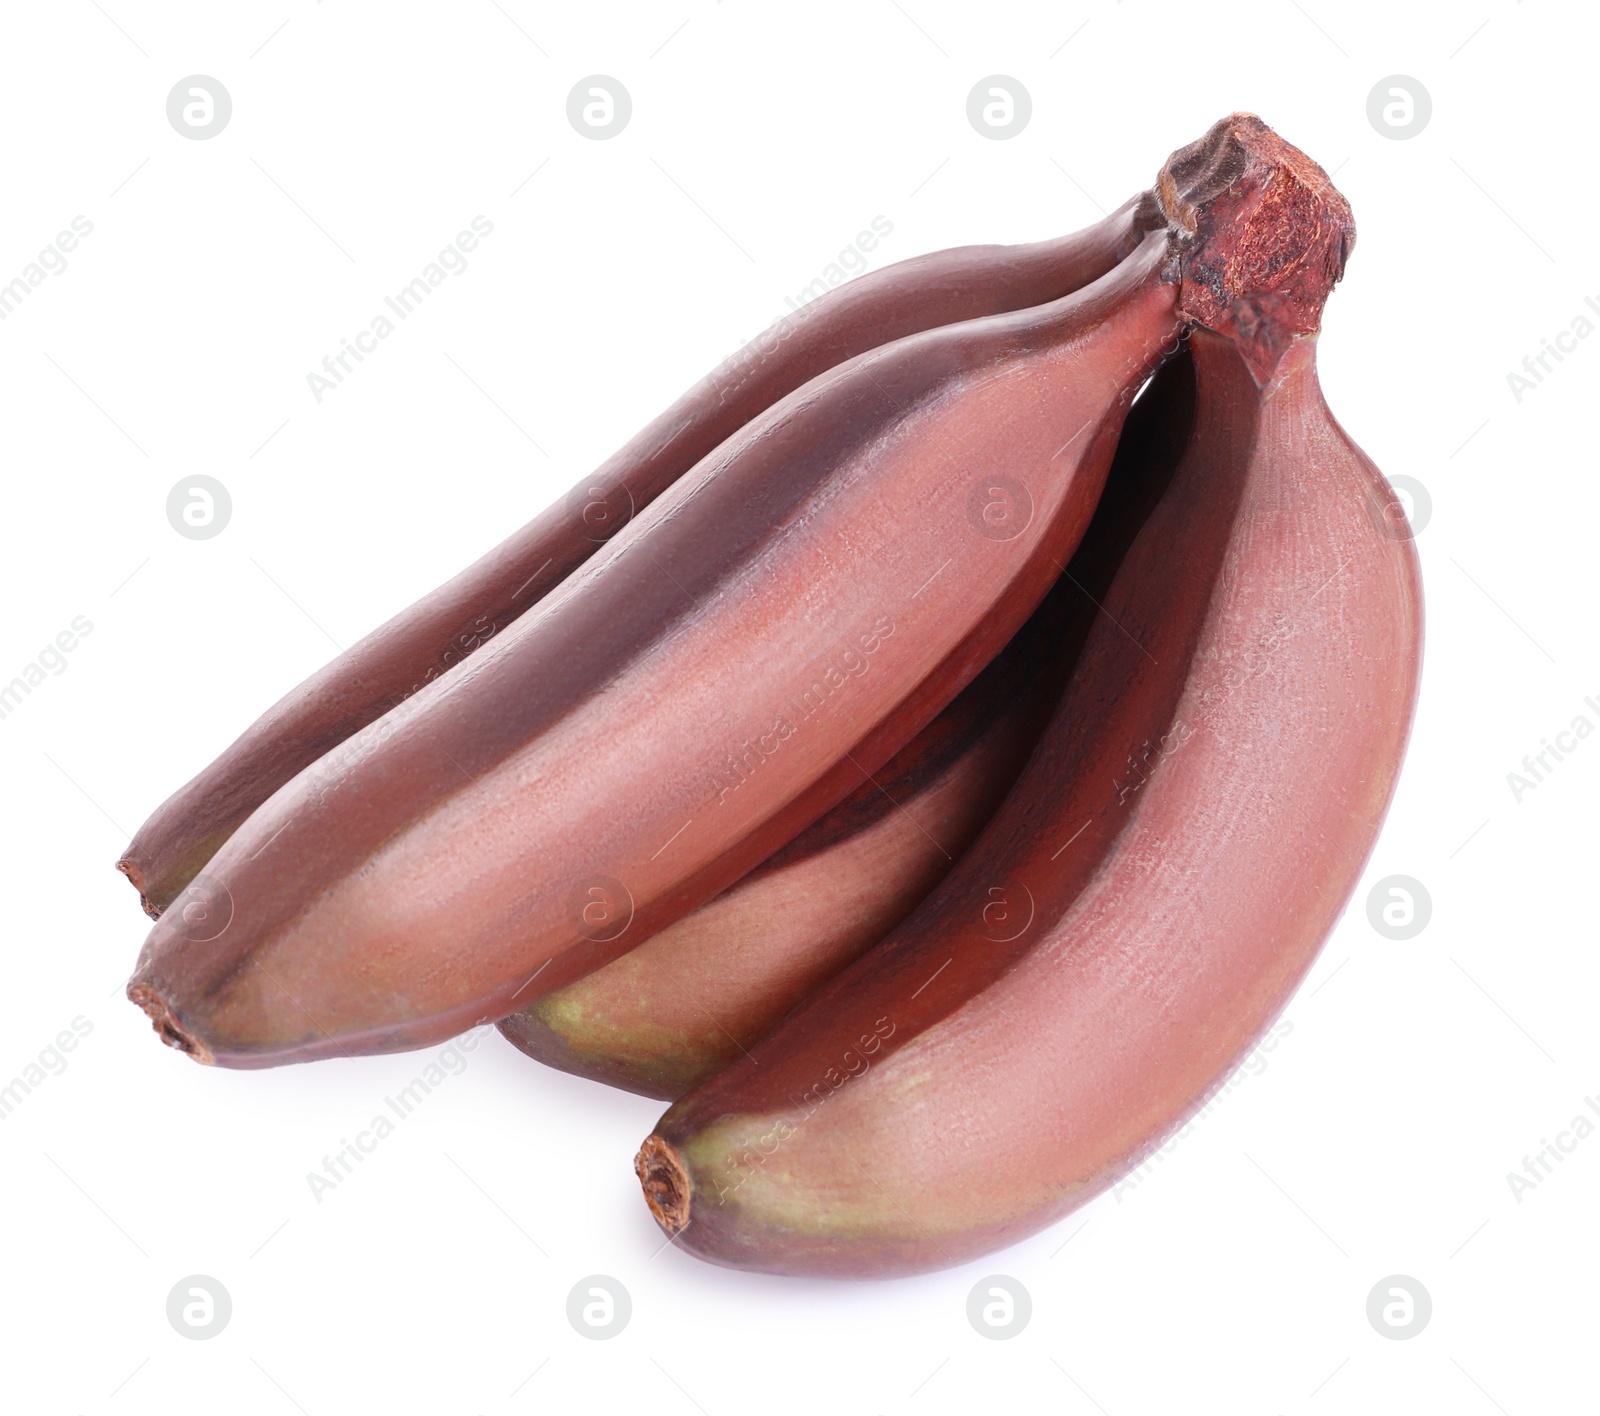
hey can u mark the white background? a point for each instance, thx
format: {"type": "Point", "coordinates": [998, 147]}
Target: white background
{"type": "Point", "coordinates": [1378, 1137]}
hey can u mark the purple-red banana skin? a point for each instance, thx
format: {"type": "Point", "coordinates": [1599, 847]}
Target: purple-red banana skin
{"type": "Point", "coordinates": [778, 623]}
{"type": "Point", "coordinates": [695, 997]}
{"type": "Point", "coordinates": [678, 1008]}
{"type": "Point", "coordinates": [1169, 864]}
{"type": "Point", "coordinates": [427, 639]}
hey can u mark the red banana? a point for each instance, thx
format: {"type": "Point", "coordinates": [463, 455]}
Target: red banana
{"type": "Point", "coordinates": [424, 641]}
{"type": "Point", "coordinates": [774, 626]}
{"type": "Point", "coordinates": [1158, 883]}
{"type": "Point", "coordinates": [696, 996]}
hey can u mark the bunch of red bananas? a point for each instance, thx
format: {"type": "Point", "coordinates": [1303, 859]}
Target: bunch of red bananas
{"type": "Point", "coordinates": [930, 754]}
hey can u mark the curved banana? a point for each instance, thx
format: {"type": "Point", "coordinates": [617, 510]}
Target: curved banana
{"type": "Point", "coordinates": [693, 998]}
{"type": "Point", "coordinates": [779, 622]}
{"type": "Point", "coordinates": [1168, 866]}
{"type": "Point", "coordinates": [426, 640]}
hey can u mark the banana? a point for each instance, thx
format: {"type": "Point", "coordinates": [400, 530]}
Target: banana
{"type": "Point", "coordinates": [425, 641]}
{"type": "Point", "coordinates": [682, 1005]}
{"type": "Point", "coordinates": [776, 624]}
{"type": "Point", "coordinates": [695, 997]}
{"type": "Point", "coordinates": [1181, 843]}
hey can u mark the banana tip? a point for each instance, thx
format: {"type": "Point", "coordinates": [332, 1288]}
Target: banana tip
{"type": "Point", "coordinates": [136, 879]}
{"type": "Point", "coordinates": [166, 1023]}
{"type": "Point", "coordinates": [666, 1184]}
